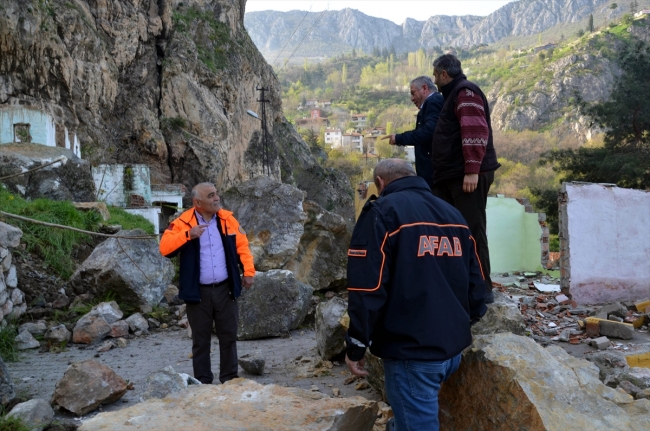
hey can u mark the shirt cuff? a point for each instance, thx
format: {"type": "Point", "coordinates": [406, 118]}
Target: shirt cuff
{"type": "Point", "coordinates": [472, 168]}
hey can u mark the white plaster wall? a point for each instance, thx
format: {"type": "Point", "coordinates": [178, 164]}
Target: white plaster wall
{"type": "Point", "coordinates": [150, 214]}
{"type": "Point", "coordinates": [609, 243]}
{"type": "Point", "coordinates": [41, 125]}
{"type": "Point", "coordinates": [174, 198]}
{"type": "Point", "coordinates": [109, 183]}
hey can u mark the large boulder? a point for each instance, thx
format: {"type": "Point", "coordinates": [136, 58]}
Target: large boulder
{"type": "Point", "coordinates": [509, 379]}
{"type": "Point", "coordinates": [502, 316]}
{"type": "Point", "coordinates": [69, 180]}
{"type": "Point", "coordinates": [331, 327]}
{"type": "Point", "coordinates": [86, 385]}
{"type": "Point", "coordinates": [273, 217]}
{"type": "Point", "coordinates": [322, 256]}
{"type": "Point", "coordinates": [7, 391]}
{"type": "Point", "coordinates": [241, 405]}
{"type": "Point", "coordinates": [36, 414]}
{"type": "Point", "coordinates": [132, 269]}
{"type": "Point", "coordinates": [276, 304]}
{"type": "Point", "coordinates": [285, 231]}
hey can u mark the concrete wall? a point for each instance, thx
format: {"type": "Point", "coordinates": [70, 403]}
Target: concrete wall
{"type": "Point", "coordinates": [152, 214]}
{"type": "Point", "coordinates": [41, 125]}
{"type": "Point", "coordinates": [109, 182]}
{"type": "Point", "coordinates": [515, 237]}
{"type": "Point", "coordinates": [604, 242]}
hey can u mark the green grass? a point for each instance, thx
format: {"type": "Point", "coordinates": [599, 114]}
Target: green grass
{"type": "Point", "coordinates": [11, 423]}
{"type": "Point", "coordinates": [55, 246]}
{"type": "Point", "coordinates": [8, 350]}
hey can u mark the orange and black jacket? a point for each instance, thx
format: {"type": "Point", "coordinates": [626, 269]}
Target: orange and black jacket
{"type": "Point", "coordinates": [414, 280]}
{"type": "Point", "coordinates": [176, 239]}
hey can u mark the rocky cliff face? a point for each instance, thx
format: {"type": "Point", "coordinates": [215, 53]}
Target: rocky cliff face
{"type": "Point", "coordinates": [161, 82]}
{"type": "Point", "coordinates": [340, 31]}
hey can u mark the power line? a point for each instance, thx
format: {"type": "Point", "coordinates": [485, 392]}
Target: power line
{"type": "Point", "coordinates": [303, 39]}
{"type": "Point", "coordinates": [290, 37]}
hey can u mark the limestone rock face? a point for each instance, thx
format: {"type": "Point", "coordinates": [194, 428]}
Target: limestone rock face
{"type": "Point", "coordinates": [509, 379]}
{"type": "Point", "coordinates": [502, 316]}
{"type": "Point", "coordinates": [242, 404]}
{"type": "Point", "coordinates": [276, 304]}
{"type": "Point", "coordinates": [132, 269]}
{"type": "Point", "coordinates": [159, 82]}
{"type": "Point", "coordinates": [86, 385]}
{"type": "Point", "coordinates": [330, 328]}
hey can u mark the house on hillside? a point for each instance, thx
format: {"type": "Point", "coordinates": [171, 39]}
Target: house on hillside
{"type": "Point", "coordinates": [360, 121]}
{"type": "Point", "coordinates": [333, 137]}
{"type": "Point", "coordinates": [353, 142]}
{"type": "Point", "coordinates": [20, 123]}
{"type": "Point", "coordinates": [315, 121]}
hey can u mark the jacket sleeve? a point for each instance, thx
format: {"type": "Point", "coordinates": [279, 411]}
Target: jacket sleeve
{"type": "Point", "coordinates": [477, 307]}
{"type": "Point", "coordinates": [369, 260]}
{"type": "Point", "coordinates": [423, 134]}
{"type": "Point", "coordinates": [243, 249]}
{"type": "Point", "coordinates": [174, 238]}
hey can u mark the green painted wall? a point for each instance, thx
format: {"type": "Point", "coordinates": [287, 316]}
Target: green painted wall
{"type": "Point", "coordinates": [514, 236]}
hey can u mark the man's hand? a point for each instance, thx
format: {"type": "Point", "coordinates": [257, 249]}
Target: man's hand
{"type": "Point", "coordinates": [470, 182]}
{"type": "Point", "coordinates": [391, 139]}
{"type": "Point", "coordinates": [198, 230]}
{"type": "Point", "coordinates": [356, 367]}
{"type": "Point", "coordinates": [247, 282]}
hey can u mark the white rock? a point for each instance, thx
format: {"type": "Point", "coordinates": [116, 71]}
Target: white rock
{"type": "Point", "coordinates": [108, 310]}
{"type": "Point", "coordinates": [25, 340]}
{"type": "Point", "coordinates": [137, 322]}
{"type": "Point", "coordinates": [17, 296]}
{"type": "Point", "coordinates": [12, 278]}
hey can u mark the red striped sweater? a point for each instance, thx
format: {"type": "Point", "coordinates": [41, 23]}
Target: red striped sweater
{"type": "Point", "coordinates": [473, 129]}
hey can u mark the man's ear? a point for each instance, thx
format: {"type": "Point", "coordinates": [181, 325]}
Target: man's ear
{"type": "Point", "coordinates": [380, 184]}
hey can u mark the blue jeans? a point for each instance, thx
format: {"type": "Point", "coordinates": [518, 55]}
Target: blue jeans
{"type": "Point", "coordinates": [412, 391]}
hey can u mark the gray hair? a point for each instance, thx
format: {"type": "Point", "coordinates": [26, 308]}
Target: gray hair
{"type": "Point", "coordinates": [195, 192]}
{"type": "Point", "coordinates": [449, 63]}
{"type": "Point", "coordinates": [424, 80]}
{"type": "Point", "coordinates": [393, 169]}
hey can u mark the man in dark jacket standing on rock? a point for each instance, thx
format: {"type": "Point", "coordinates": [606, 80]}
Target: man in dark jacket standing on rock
{"type": "Point", "coordinates": [463, 153]}
{"type": "Point", "coordinates": [429, 102]}
{"type": "Point", "coordinates": [212, 248]}
{"type": "Point", "coordinates": [415, 287]}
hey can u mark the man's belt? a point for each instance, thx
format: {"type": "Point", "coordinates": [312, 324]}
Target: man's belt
{"type": "Point", "coordinates": [221, 283]}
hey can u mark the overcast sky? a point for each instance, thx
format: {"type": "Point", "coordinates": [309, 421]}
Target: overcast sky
{"type": "Point", "coordinates": [394, 10]}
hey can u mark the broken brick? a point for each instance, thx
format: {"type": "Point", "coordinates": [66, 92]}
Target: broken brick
{"type": "Point", "coordinates": [592, 328]}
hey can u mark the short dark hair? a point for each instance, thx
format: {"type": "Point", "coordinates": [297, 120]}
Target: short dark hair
{"type": "Point", "coordinates": [449, 63]}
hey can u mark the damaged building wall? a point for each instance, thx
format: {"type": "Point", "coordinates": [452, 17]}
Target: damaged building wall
{"type": "Point", "coordinates": [515, 236]}
{"type": "Point", "coordinates": [604, 243]}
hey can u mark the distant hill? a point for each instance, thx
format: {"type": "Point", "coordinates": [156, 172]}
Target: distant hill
{"type": "Point", "coordinates": [323, 35]}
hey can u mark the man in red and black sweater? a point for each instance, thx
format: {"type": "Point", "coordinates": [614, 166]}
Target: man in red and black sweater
{"type": "Point", "coordinates": [463, 153]}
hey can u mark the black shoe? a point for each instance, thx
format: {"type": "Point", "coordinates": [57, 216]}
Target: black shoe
{"type": "Point", "coordinates": [390, 425]}
{"type": "Point", "coordinates": [489, 297]}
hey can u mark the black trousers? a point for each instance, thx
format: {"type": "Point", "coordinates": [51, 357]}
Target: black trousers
{"type": "Point", "coordinates": [216, 306]}
{"type": "Point", "coordinates": [472, 207]}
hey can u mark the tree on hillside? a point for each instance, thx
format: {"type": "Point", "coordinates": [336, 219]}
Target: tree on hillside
{"type": "Point", "coordinates": [590, 23]}
{"type": "Point", "coordinates": [375, 51]}
{"type": "Point", "coordinates": [613, 6]}
{"type": "Point", "coordinates": [624, 158]}
{"type": "Point", "coordinates": [344, 73]}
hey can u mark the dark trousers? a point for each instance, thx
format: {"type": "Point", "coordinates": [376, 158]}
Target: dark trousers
{"type": "Point", "coordinates": [216, 306]}
{"type": "Point", "coordinates": [472, 207]}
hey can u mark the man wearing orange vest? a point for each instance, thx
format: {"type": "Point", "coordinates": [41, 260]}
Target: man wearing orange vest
{"type": "Point", "coordinates": [213, 248]}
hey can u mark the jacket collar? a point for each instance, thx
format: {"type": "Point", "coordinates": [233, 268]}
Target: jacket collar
{"type": "Point", "coordinates": [189, 216]}
{"type": "Point", "coordinates": [447, 89]}
{"type": "Point", "coordinates": [405, 183]}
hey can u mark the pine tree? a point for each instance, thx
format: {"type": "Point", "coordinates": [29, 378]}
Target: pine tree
{"type": "Point", "coordinates": [590, 24]}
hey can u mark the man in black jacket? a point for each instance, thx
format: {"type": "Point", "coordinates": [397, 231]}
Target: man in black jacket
{"type": "Point", "coordinates": [429, 102]}
{"type": "Point", "coordinates": [415, 287]}
{"type": "Point", "coordinates": [463, 155]}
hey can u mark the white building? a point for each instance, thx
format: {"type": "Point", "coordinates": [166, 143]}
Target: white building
{"type": "Point", "coordinates": [353, 142]}
{"type": "Point", "coordinates": [28, 124]}
{"type": "Point", "coordinates": [333, 137]}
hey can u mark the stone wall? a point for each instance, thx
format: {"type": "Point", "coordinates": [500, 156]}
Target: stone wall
{"type": "Point", "coordinates": [12, 299]}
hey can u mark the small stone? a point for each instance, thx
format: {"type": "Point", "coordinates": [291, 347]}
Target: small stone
{"type": "Point", "coordinates": [315, 388]}
{"type": "Point", "coordinates": [164, 326]}
{"type": "Point", "coordinates": [183, 323]}
{"type": "Point", "coordinates": [170, 293]}
{"type": "Point", "coordinates": [60, 302]}
{"type": "Point", "coordinates": [25, 340]}
{"type": "Point", "coordinates": [90, 329]}
{"type": "Point", "coordinates": [601, 342]}
{"type": "Point", "coordinates": [36, 414]}
{"type": "Point", "coordinates": [35, 328]}
{"type": "Point", "coordinates": [122, 343]}
{"type": "Point", "coordinates": [57, 334]}
{"type": "Point", "coordinates": [629, 388]}
{"type": "Point", "coordinates": [119, 329]}
{"type": "Point", "coordinates": [644, 394]}
{"type": "Point", "coordinates": [11, 279]}
{"type": "Point", "coordinates": [105, 346]}
{"type": "Point", "coordinates": [110, 311]}
{"type": "Point", "coordinates": [252, 363]}
{"type": "Point", "coordinates": [362, 385]}
{"type": "Point", "coordinates": [565, 335]}
{"type": "Point", "coordinates": [336, 392]}
{"type": "Point", "coordinates": [153, 323]}
{"type": "Point", "coordinates": [137, 322]}
{"type": "Point", "coordinates": [616, 330]}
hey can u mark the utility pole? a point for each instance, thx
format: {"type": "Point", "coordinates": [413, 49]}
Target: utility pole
{"type": "Point", "coordinates": [266, 164]}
